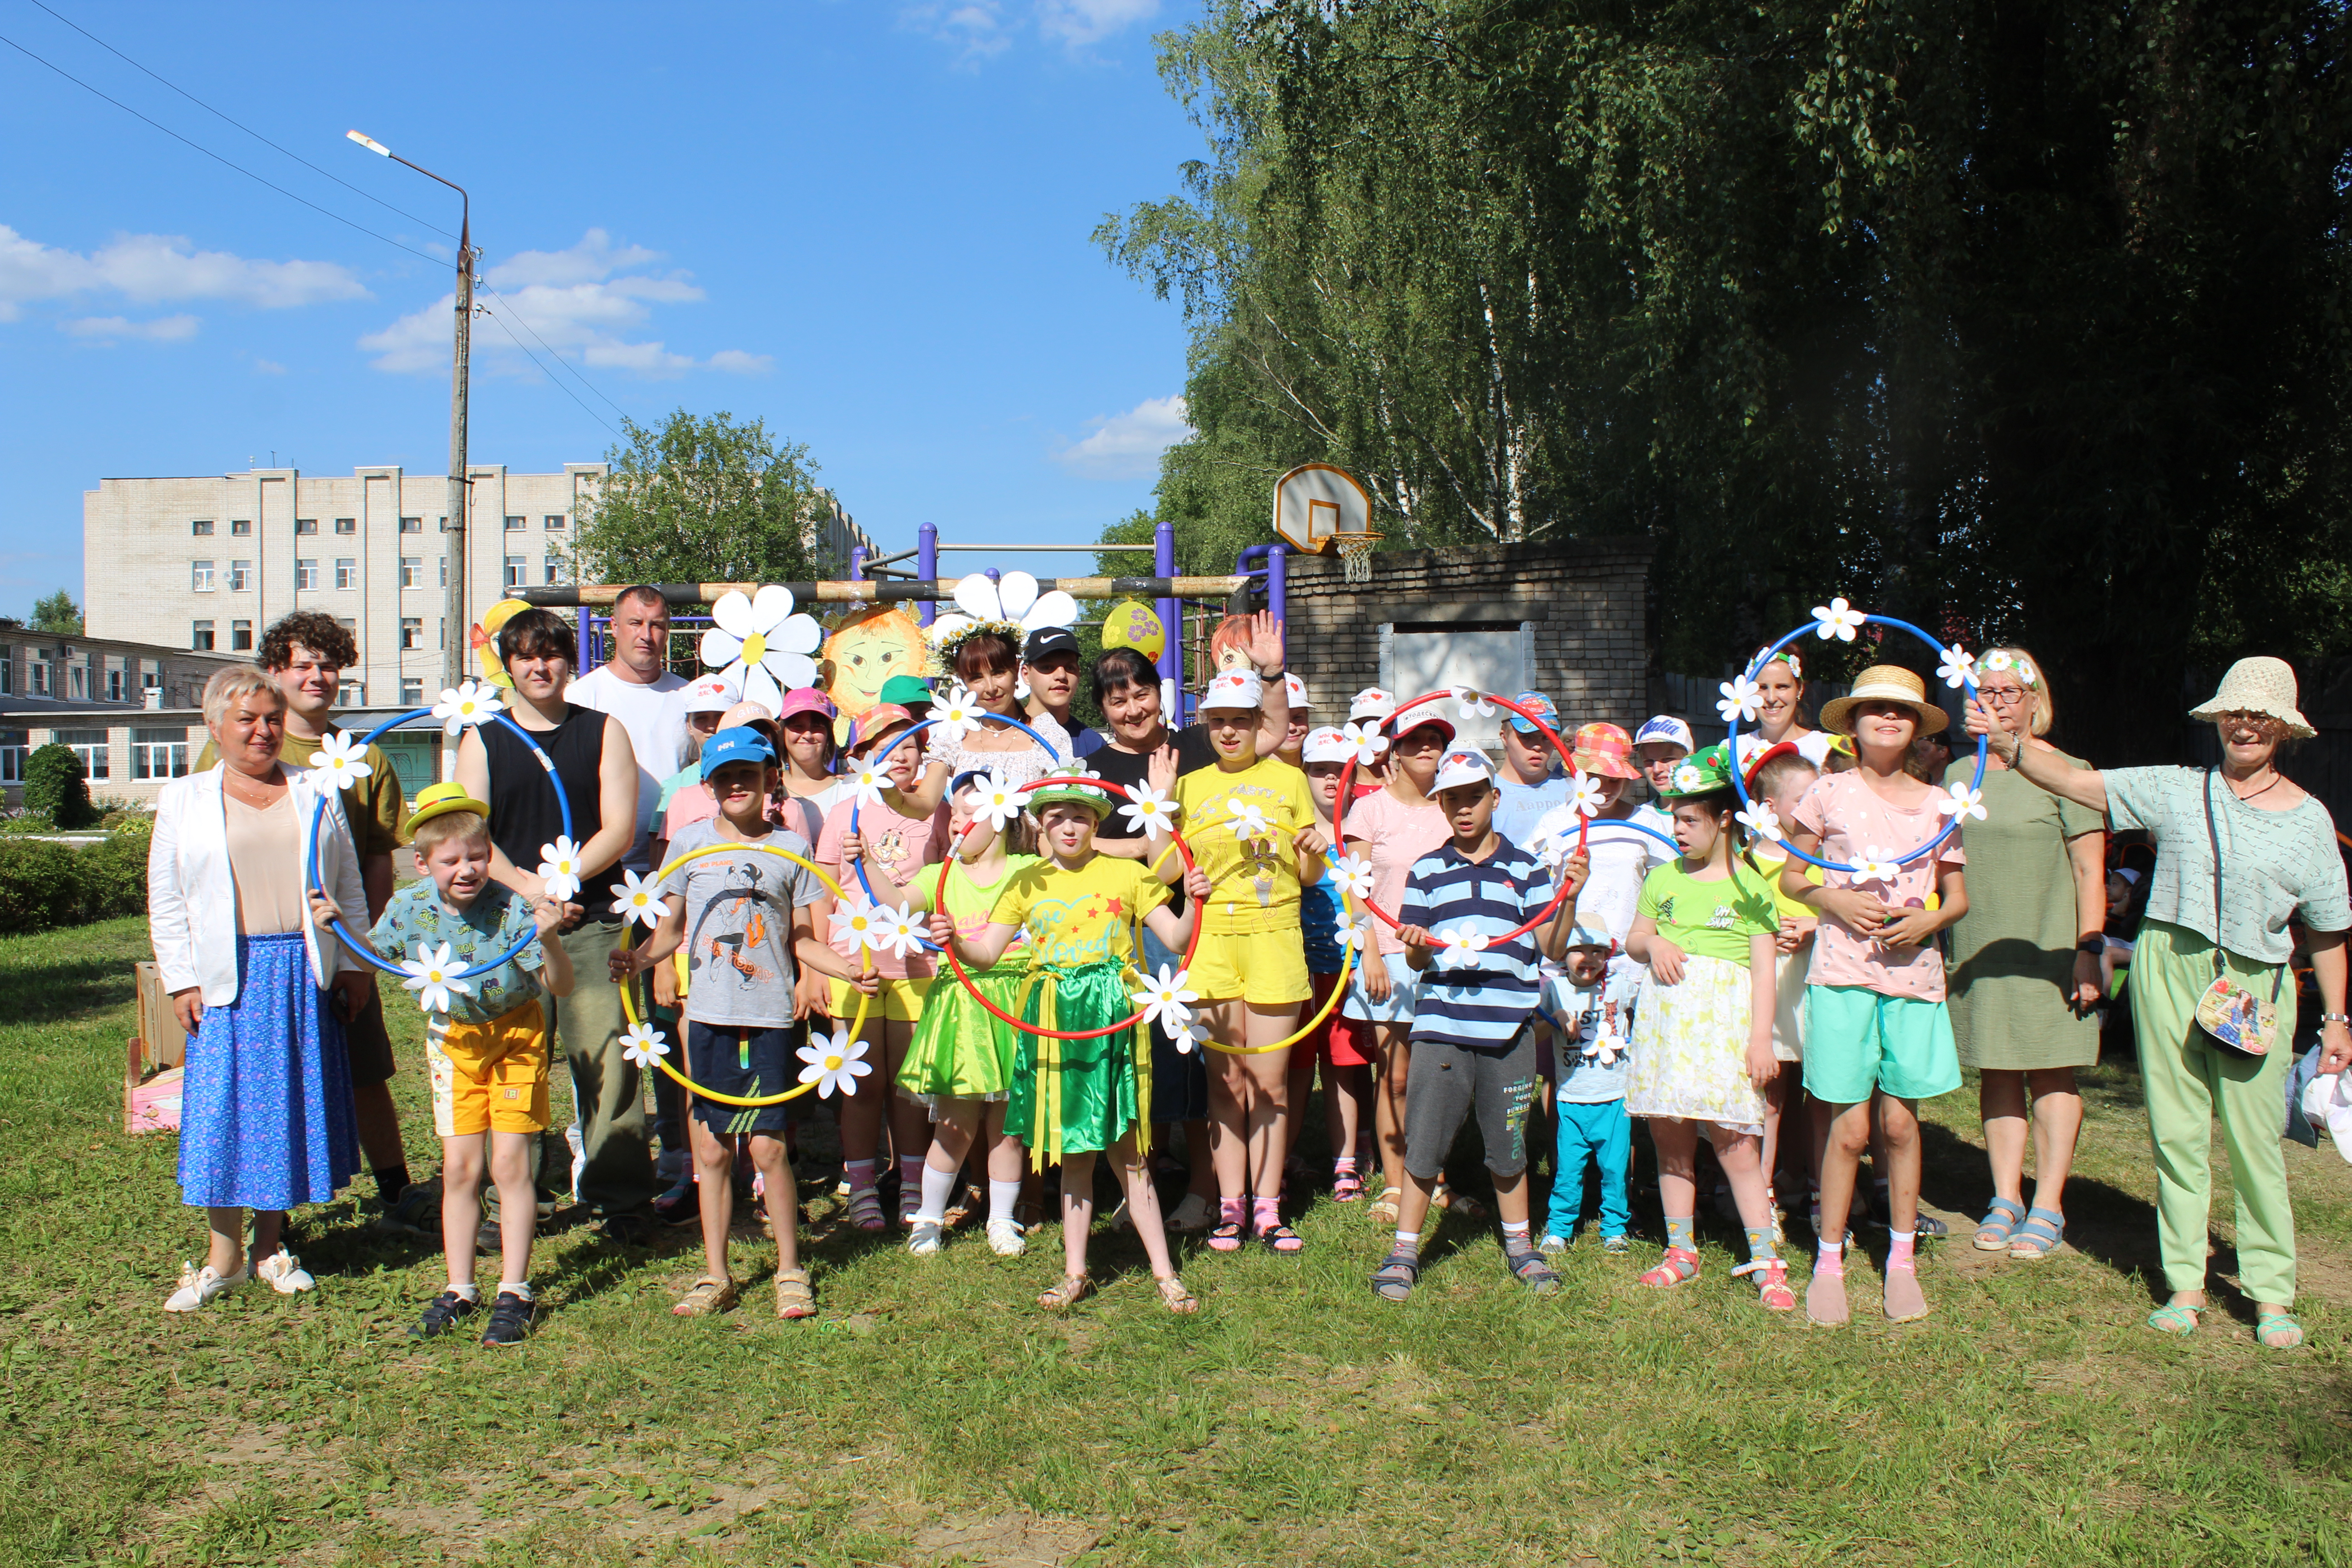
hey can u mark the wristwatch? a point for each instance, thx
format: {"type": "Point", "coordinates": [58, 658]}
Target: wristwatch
{"type": "Point", "coordinates": [2094, 945]}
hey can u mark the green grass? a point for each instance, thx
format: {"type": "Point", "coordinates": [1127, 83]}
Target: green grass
{"type": "Point", "coordinates": [931, 1414]}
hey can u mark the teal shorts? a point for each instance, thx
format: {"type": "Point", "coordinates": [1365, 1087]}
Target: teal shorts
{"type": "Point", "coordinates": [1857, 1040]}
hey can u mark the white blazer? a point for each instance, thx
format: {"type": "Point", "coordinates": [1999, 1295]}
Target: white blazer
{"type": "Point", "coordinates": [192, 897]}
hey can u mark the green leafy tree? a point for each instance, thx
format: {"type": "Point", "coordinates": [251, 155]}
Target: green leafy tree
{"type": "Point", "coordinates": [55, 786]}
{"type": "Point", "coordinates": [702, 499]}
{"type": "Point", "coordinates": [57, 615]}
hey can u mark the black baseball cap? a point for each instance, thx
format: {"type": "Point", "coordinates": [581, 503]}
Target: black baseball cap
{"type": "Point", "coordinates": [1046, 641]}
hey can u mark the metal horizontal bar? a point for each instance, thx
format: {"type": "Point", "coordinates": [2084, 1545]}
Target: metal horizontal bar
{"type": "Point", "coordinates": [888, 592]}
{"type": "Point", "coordinates": [1043, 548]}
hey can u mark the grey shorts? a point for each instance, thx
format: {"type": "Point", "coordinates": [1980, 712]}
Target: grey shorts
{"type": "Point", "coordinates": [1449, 1083]}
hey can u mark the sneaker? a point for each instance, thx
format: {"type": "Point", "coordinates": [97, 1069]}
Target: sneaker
{"type": "Point", "coordinates": [1616, 1246]}
{"type": "Point", "coordinates": [415, 1212]}
{"type": "Point", "coordinates": [925, 1238]}
{"type": "Point", "coordinates": [1195, 1213]}
{"type": "Point", "coordinates": [681, 1205]}
{"type": "Point", "coordinates": [284, 1274]}
{"type": "Point", "coordinates": [446, 1311]}
{"type": "Point", "coordinates": [1004, 1238]}
{"type": "Point", "coordinates": [201, 1287]}
{"type": "Point", "coordinates": [487, 1241]}
{"type": "Point", "coordinates": [1552, 1244]}
{"type": "Point", "coordinates": [510, 1320]}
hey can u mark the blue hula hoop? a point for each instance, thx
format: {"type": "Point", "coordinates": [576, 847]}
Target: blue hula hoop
{"type": "Point", "coordinates": [1739, 773]}
{"type": "Point", "coordinates": [317, 814]}
{"type": "Point", "coordinates": [864, 882]}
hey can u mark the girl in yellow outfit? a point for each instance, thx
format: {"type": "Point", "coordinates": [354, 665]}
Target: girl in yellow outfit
{"type": "Point", "coordinates": [1252, 824]}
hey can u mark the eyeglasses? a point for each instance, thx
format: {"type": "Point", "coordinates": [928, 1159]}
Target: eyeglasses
{"type": "Point", "coordinates": [2007, 696]}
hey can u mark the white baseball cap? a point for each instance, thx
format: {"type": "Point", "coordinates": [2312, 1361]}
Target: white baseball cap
{"type": "Point", "coordinates": [1462, 768]}
{"type": "Point", "coordinates": [1324, 743]}
{"type": "Point", "coordinates": [1296, 691]}
{"type": "Point", "coordinates": [1234, 688]}
{"type": "Point", "coordinates": [1372, 702]}
{"type": "Point", "coordinates": [1666, 729]}
{"type": "Point", "coordinates": [710, 694]}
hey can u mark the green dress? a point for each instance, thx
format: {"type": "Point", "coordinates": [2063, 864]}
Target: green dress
{"type": "Point", "coordinates": [960, 1050]}
{"type": "Point", "coordinates": [2013, 959]}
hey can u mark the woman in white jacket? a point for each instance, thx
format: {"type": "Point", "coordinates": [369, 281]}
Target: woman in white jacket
{"type": "Point", "coordinates": [266, 1110]}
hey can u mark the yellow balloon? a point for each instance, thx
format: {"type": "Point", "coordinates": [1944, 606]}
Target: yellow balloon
{"type": "Point", "coordinates": [1131, 623]}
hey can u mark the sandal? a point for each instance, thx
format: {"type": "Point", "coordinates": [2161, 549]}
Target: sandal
{"type": "Point", "coordinates": [1384, 1207]}
{"type": "Point", "coordinates": [2288, 1332]}
{"type": "Point", "coordinates": [1071, 1289]}
{"type": "Point", "coordinates": [1346, 1187]}
{"type": "Point", "coordinates": [1772, 1290]}
{"type": "Point", "coordinates": [1282, 1239]}
{"type": "Point", "coordinates": [2004, 1217]}
{"type": "Point", "coordinates": [794, 1296]}
{"type": "Point", "coordinates": [1530, 1270]}
{"type": "Point", "coordinates": [1393, 1280]}
{"type": "Point", "coordinates": [866, 1210]}
{"type": "Point", "coordinates": [1454, 1202]}
{"type": "Point", "coordinates": [708, 1298]}
{"type": "Point", "coordinates": [2039, 1236]}
{"type": "Point", "coordinates": [2175, 1319]}
{"type": "Point", "coordinates": [1227, 1235]}
{"type": "Point", "coordinates": [1176, 1298]}
{"type": "Point", "coordinates": [1679, 1267]}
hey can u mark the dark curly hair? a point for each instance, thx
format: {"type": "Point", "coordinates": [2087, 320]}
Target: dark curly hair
{"type": "Point", "coordinates": [314, 630]}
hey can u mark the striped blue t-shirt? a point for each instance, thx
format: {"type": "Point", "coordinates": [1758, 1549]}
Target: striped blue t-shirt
{"type": "Point", "coordinates": [1480, 999]}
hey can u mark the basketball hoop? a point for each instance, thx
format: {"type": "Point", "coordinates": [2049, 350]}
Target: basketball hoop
{"type": "Point", "coordinates": [1355, 555]}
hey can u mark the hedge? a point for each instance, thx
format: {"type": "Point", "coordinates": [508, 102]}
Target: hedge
{"type": "Point", "coordinates": [47, 885]}
{"type": "Point", "coordinates": [55, 786]}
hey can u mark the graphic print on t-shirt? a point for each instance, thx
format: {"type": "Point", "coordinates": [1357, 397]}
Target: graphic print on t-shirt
{"type": "Point", "coordinates": [732, 930]}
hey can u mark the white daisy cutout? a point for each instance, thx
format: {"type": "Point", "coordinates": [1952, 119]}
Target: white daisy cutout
{"type": "Point", "coordinates": [1836, 619]}
{"type": "Point", "coordinates": [858, 922]}
{"type": "Point", "coordinates": [1249, 818]}
{"type": "Point", "coordinates": [1165, 999]}
{"type": "Point", "coordinates": [1760, 820]}
{"type": "Point", "coordinates": [2002, 660]}
{"type": "Point", "coordinates": [834, 1063]}
{"type": "Point", "coordinates": [640, 899]}
{"type": "Point", "coordinates": [339, 760]}
{"type": "Point", "coordinates": [434, 978]}
{"type": "Point", "coordinates": [1741, 700]}
{"type": "Point", "coordinates": [559, 868]}
{"type": "Point", "coordinates": [1367, 740]}
{"type": "Point", "coordinates": [1460, 944]}
{"type": "Point", "coordinates": [1012, 598]}
{"type": "Point", "coordinates": [1354, 876]}
{"type": "Point", "coordinates": [470, 704]}
{"type": "Point", "coordinates": [762, 645]}
{"type": "Point", "coordinates": [998, 800]}
{"type": "Point", "coordinates": [1587, 797]}
{"type": "Point", "coordinates": [1605, 1048]}
{"type": "Point", "coordinates": [641, 1045]}
{"type": "Point", "coordinates": [1472, 704]}
{"type": "Point", "coordinates": [1192, 1036]}
{"type": "Point", "coordinates": [1961, 801]}
{"type": "Point", "coordinates": [867, 781]}
{"type": "Point", "coordinates": [1353, 935]}
{"type": "Point", "coordinates": [1876, 867]}
{"type": "Point", "coordinates": [898, 931]}
{"type": "Point", "coordinates": [1959, 667]}
{"type": "Point", "coordinates": [956, 715]}
{"type": "Point", "coordinates": [1688, 778]}
{"type": "Point", "coordinates": [1149, 811]}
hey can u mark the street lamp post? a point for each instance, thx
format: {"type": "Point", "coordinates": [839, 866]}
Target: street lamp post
{"type": "Point", "coordinates": [455, 623]}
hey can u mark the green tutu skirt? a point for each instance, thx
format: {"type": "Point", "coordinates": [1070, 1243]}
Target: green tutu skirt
{"type": "Point", "coordinates": [1079, 1097]}
{"type": "Point", "coordinates": [960, 1050]}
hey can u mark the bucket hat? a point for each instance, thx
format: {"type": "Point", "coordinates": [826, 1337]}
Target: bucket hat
{"type": "Point", "coordinates": [2264, 686]}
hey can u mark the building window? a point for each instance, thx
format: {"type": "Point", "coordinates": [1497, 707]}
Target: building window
{"type": "Point", "coordinates": [517, 568]}
{"type": "Point", "coordinates": [240, 636]}
{"type": "Point", "coordinates": [77, 681]}
{"type": "Point", "coordinates": [200, 576]}
{"type": "Point", "coordinates": [306, 525]}
{"type": "Point", "coordinates": [516, 524]}
{"type": "Point", "coordinates": [412, 631]}
{"type": "Point", "coordinates": [347, 572]}
{"type": "Point", "coordinates": [7, 672]}
{"type": "Point", "coordinates": [89, 745]}
{"type": "Point", "coordinates": [12, 756]}
{"type": "Point", "coordinates": [347, 525]}
{"type": "Point", "coordinates": [306, 573]}
{"type": "Point", "coordinates": [559, 570]}
{"type": "Point", "coordinates": [412, 693]}
{"type": "Point", "coordinates": [201, 528]}
{"type": "Point", "coordinates": [159, 753]}
{"type": "Point", "coordinates": [240, 576]}
{"type": "Point", "coordinates": [553, 522]}
{"type": "Point", "coordinates": [349, 624]}
{"type": "Point", "coordinates": [351, 694]}
{"type": "Point", "coordinates": [36, 678]}
{"type": "Point", "coordinates": [440, 525]}
{"type": "Point", "coordinates": [444, 571]}
{"type": "Point", "coordinates": [113, 684]}
{"type": "Point", "coordinates": [240, 528]}
{"type": "Point", "coordinates": [411, 525]}
{"type": "Point", "coordinates": [412, 570]}
{"type": "Point", "coordinates": [201, 638]}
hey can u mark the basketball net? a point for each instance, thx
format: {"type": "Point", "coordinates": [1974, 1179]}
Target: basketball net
{"type": "Point", "coordinates": [1355, 555]}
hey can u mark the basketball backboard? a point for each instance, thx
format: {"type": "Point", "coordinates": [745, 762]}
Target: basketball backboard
{"type": "Point", "coordinates": [1315, 501]}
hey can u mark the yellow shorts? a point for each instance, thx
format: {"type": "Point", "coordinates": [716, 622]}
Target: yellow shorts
{"type": "Point", "coordinates": [1267, 969]}
{"type": "Point", "coordinates": [488, 1078]}
{"type": "Point", "coordinates": [900, 1001]}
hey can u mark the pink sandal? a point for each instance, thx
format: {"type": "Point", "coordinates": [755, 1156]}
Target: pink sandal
{"type": "Point", "coordinates": [1772, 1290]}
{"type": "Point", "coordinates": [1346, 1187]}
{"type": "Point", "coordinates": [865, 1209]}
{"type": "Point", "coordinates": [1679, 1267]}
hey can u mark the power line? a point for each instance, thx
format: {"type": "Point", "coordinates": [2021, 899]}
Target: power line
{"type": "Point", "coordinates": [567, 392]}
{"type": "Point", "coordinates": [551, 348]}
{"type": "Point", "coordinates": [248, 130]}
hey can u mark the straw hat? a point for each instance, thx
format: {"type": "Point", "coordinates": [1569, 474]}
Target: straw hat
{"type": "Point", "coordinates": [1885, 683]}
{"type": "Point", "coordinates": [2258, 686]}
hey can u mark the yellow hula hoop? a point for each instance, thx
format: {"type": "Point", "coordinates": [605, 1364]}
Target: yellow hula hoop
{"type": "Point", "coordinates": [628, 996]}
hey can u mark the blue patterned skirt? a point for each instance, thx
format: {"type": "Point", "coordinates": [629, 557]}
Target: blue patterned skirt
{"type": "Point", "coordinates": [266, 1116]}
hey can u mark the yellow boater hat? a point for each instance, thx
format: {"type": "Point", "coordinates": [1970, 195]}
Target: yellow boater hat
{"type": "Point", "coordinates": [442, 800]}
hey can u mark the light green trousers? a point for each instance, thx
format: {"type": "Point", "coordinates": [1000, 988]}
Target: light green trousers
{"type": "Point", "coordinates": [2189, 1081]}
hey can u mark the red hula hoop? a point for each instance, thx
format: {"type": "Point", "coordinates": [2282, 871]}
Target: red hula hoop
{"type": "Point", "coordinates": [940, 900]}
{"type": "Point", "coordinates": [1339, 806]}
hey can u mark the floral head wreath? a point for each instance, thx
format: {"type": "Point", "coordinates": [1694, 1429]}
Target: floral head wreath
{"type": "Point", "coordinates": [959, 630]}
{"type": "Point", "coordinates": [2002, 658]}
{"type": "Point", "coordinates": [1765, 655]}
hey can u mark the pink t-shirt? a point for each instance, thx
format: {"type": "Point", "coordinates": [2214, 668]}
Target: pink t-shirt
{"type": "Point", "coordinates": [902, 846]}
{"type": "Point", "coordinates": [1854, 821]}
{"type": "Point", "coordinates": [1395, 836]}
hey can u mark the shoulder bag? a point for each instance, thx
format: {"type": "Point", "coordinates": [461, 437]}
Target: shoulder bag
{"type": "Point", "coordinates": [2233, 1017]}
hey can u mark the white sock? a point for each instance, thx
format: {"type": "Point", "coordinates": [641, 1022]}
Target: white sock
{"type": "Point", "coordinates": [1515, 1236]}
{"type": "Point", "coordinates": [1408, 1239]}
{"type": "Point", "coordinates": [469, 1291]}
{"type": "Point", "coordinates": [937, 1187]}
{"type": "Point", "coordinates": [1905, 1236]}
{"type": "Point", "coordinates": [1003, 1198]}
{"type": "Point", "coordinates": [518, 1288]}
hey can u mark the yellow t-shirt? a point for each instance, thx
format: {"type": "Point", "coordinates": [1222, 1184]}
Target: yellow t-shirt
{"type": "Point", "coordinates": [1769, 867]}
{"type": "Point", "coordinates": [1253, 876]}
{"type": "Point", "coordinates": [1081, 917]}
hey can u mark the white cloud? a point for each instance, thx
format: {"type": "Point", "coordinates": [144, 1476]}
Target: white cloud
{"type": "Point", "coordinates": [163, 329]}
{"type": "Point", "coordinates": [268, 367]}
{"type": "Point", "coordinates": [1127, 446]}
{"type": "Point", "coordinates": [150, 268]}
{"type": "Point", "coordinates": [582, 302]}
{"type": "Point", "coordinates": [1077, 23]}
{"type": "Point", "coordinates": [976, 27]}
{"type": "Point", "coordinates": [980, 29]}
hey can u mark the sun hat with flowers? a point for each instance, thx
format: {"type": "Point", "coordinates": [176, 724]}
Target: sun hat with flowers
{"type": "Point", "coordinates": [1701, 772]}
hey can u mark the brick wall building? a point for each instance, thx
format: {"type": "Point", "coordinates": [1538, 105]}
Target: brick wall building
{"type": "Point", "coordinates": [1567, 619]}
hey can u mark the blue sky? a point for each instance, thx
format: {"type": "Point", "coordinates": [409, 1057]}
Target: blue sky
{"type": "Point", "coordinates": [863, 220]}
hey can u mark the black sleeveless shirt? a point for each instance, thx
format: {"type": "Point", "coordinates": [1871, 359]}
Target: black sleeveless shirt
{"type": "Point", "coordinates": [524, 816]}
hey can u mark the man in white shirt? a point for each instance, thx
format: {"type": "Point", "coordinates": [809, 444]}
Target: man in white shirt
{"type": "Point", "coordinates": [636, 689]}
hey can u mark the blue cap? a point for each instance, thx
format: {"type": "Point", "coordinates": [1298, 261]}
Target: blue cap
{"type": "Point", "coordinates": [741, 744]}
{"type": "Point", "coordinates": [1534, 703]}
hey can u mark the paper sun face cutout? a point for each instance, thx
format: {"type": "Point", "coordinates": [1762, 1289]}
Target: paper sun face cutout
{"type": "Point", "coordinates": [759, 644]}
{"type": "Point", "coordinates": [866, 650]}
{"type": "Point", "coordinates": [1836, 619]}
{"type": "Point", "coordinates": [640, 899]}
{"type": "Point", "coordinates": [641, 1045]}
{"type": "Point", "coordinates": [470, 704]}
{"type": "Point", "coordinates": [434, 978]}
{"type": "Point", "coordinates": [559, 868]}
{"type": "Point", "coordinates": [834, 1063]}
{"type": "Point", "coordinates": [339, 760]}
